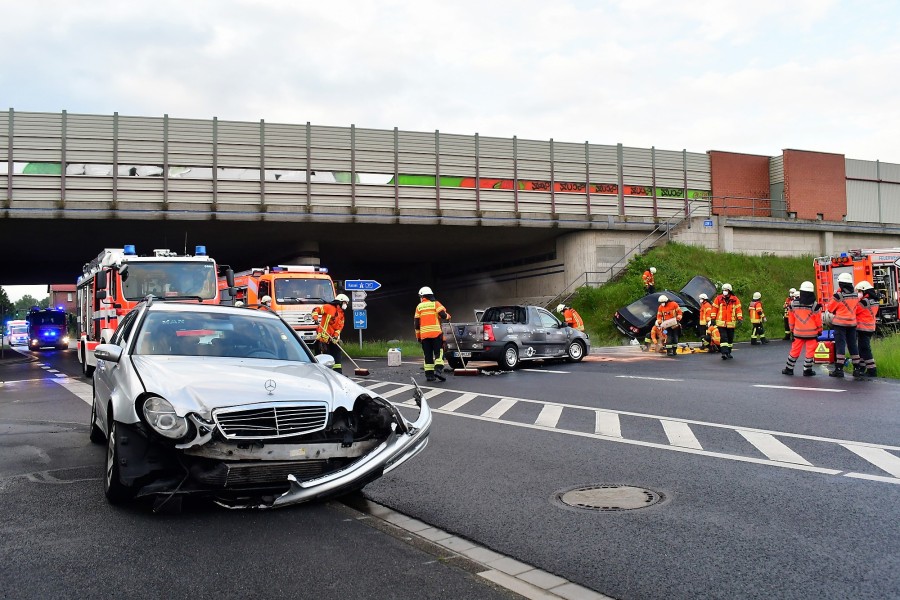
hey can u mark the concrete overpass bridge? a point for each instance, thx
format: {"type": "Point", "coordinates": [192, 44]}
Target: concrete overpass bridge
{"type": "Point", "coordinates": [481, 219]}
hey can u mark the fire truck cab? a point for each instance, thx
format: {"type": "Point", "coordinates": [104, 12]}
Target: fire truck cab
{"type": "Point", "coordinates": [877, 266]}
{"type": "Point", "coordinates": [296, 291]}
{"type": "Point", "coordinates": [118, 279]}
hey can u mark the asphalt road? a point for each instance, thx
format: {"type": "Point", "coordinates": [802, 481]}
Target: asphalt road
{"type": "Point", "coordinates": [769, 487]}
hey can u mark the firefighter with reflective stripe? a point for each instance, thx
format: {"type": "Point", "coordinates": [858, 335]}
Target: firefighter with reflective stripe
{"type": "Point", "coordinates": [668, 318]}
{"type": "Point", "coordinates": [805, 317]}
{"type": "Point", "coordinates": [705, 315]}
{"type": "Point", "coordinates": [656, 339]}
{"type": "Point", "coordinates": [757, 318]}
{"type": "Point", "coordinates": [712, 340]}
{"type": "Point", "coordinates": [649, 280]}
{"type": "Point", "coordinates": [866, 310]}
{"type": "Point", "coordinates": [842, 307]}
{"type": "Point", "coordinates": [787, 309]}
{"type": "Point", "coordinates": [328, 330]}
{"type": "Point", "coordinates": [428, 316]}
{"type": "Point", "coordinates": [571, 317]}
{"type": "Point", "coordinates": [728, 314]}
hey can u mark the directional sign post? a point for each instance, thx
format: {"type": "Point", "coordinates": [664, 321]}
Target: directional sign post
{"type": "Point", "coordinates": [365, 285]}
{"type": "Point", "coordinates": [358, 305]}
{"type": "Point", "coordinates": [356, 296]}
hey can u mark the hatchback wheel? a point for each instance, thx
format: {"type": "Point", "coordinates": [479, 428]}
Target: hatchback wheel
{"type": "Point", "coordinates": [96, 434]}
{"type": "Point", "coordinates": [575, 352]}
{"type": "Point", "coordinates": [510, 359]}
{"type": "Point", "coordinates": [115, 491]}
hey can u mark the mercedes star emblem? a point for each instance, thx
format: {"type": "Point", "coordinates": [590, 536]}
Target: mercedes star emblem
{"type": "Point", "coordinates": [270, 386]}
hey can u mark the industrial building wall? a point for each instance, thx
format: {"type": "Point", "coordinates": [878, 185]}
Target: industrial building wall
{"type": "Point", "coordinates": [873, 191]}
{"type": "Point", "coordinates": [815, 185]}
{"type": "Point", "coordinates": [740, 184]}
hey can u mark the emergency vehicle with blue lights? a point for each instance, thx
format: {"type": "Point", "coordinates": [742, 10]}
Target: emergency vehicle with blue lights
{"type": "Point", "coordinates": [17, 332]}
{"type": "Point", "coordinates": [297, 293]}
{"type": "Point", "coordinates": [47, 328]}
{"type": "Point", "coordinates": [118, 279]}
{"type": "Point", "coordinates": [877, 266]}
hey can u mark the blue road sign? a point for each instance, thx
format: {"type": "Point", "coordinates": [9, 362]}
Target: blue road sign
{"type": "Point", "coordinates": [360, 319]}
{"type": "Point", "coordinates": [708, 223]}
{"type": "Point", "coordinates": [366, 285]}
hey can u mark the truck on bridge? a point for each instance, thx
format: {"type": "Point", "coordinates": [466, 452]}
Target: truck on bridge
{"type": "Point", "coordinates": [118, 279]}
{"type": "Point", "coordinates": [297, 293]}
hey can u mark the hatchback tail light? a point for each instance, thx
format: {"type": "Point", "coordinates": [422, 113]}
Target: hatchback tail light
{"type": "Point", "coordinates": [488, 333]}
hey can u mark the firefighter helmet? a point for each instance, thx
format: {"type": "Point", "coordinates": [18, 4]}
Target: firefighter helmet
{"type": "Point", "coordinates": [341, 298]}
{"type": "Point", "coordinates": [806, 286]}
{"type": "Point", "coordinates": [704, 297]}
{"type": "Point", "coordinates": [425, 291]}
{"type": "Point", "coordinates": [845, 278]}
{"type": "Point", "coordinates": [792, 291]}
{"type": "Point", "coordinates": [726, 286]}
{"type": "Point", "coordinates": [653, 270]}
{"type": "Point", "coordinates": [560, 308]}
{"type": "Point", "coordinates": [863, 286]}
{"type": "Point", "coordinates": [757, 295]}
{"type": "Point", "coordinates": [663, 298]}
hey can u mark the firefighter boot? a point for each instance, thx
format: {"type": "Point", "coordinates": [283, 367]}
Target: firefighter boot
{"type": "Point", "coordinates": [859, 370]}
{"type": "Point", "coordinates": [808, 373]}
{"type": "Point", "coordinates": [753, 342]}
{"type": "Point", "coordinates": [838, 371]}
{"type": "Point", "coordinates": [429, 375]}
{"type": "Point", "coordinates": [787, 371]}
{"type": "Point", "coordinates": [873, 372]}
{"type": "Point", "coordinates": [763, 340]}
{"type": "Point", "coordinates": [439, 372]}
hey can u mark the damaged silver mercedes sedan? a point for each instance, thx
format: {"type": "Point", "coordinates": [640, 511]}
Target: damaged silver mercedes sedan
{"type": "Point", "coordinates": [229, 403]}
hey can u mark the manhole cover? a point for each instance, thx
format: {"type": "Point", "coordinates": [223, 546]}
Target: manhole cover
{"type": "Point", "coordinates": [607, 497]}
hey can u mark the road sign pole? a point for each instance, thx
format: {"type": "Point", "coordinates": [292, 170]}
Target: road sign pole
{"type": "Point", "coordinates": [360, 339]}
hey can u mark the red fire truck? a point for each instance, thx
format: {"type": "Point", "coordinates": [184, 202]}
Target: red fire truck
{"type": "Point", "coordinates": [118, 279]}
{"type": "Point", "coordinates": [296, 291]}
{"type": "Point", "coordinates": [879, 267]}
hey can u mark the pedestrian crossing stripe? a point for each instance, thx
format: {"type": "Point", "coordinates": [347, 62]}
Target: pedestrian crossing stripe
{"type": "Point", "coordinates": [605, 424]}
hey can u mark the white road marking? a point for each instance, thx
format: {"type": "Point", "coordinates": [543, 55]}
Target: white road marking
{"type": "Point", "coordinates": [802, 389]}
{"type": "Point", "coordinates": [680, 434]}
{"type": "Point", "coordinates": [550, 415]}
{"type": "Point", "coordinates": [546, 371]}
{"type": "Point", "coordinates": [83, 390]}
{"type": "Point", "coordinates": [456, 404]}
{"type": "Point", "coordinates": [497, 410]}
{"type": "Point", "coordinates": [878, 478]}
{"type": "Point", "coordinates": [399, 390]}
{"type": "Point", "coordinates": [650, 378]}
{"type": "Point", "coordinates": [607, 424]}
{"type": "Point", "coordinates": [379, 384]}
{"type": "Point", "coordinates": [882, 459]}
{"type": "Point", "coordinates": [772, 448]}
{"type": "Point", "coordinates": [432, 393]}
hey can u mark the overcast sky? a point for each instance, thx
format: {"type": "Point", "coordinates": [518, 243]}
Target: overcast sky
{"type": "Point", "coordinates": [753, 77]}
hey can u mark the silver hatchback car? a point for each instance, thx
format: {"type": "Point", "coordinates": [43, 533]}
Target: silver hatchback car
{"type": "Point", "coordinates": [229, 403]}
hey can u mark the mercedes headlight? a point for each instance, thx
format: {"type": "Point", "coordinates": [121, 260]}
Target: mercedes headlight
{"type": "Point", "coordinates": [160, 415]}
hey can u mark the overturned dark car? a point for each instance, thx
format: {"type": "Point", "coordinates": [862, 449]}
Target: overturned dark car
{"type": "Point", "coordinates": [636, 320]}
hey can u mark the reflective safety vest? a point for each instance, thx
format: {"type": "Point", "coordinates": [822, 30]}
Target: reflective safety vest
{"type": "Point", "coordinates": [428, 319]}
{"type": "Point", "coordinates": [727, 310]}
{"type": "Point", "coordinates": [706, 311]}
{"type": "Point", "coordinates": [648, 278]}
{"type": "Point", "coordinates": [756, 312]}
{"type": "Point", "coordinates": [573, 319]}
{"type": "Point", "coordinates": [669, 310]}
{"type": "Point", "coordinates": [843, 307]}
{"type": "Point", "coordinates": [866, 309]}
{"type": "Point", "coordinates": [805, 321]}
{"type": "Point", "coordinates": [787, 305]}
{"type": "Point", "coordinates": [331, 323]}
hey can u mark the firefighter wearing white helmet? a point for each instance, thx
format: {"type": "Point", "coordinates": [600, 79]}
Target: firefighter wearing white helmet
{"type": "Point", "coordinates": [728, 314]}
{"type": "Point", "coordinates": [787, 308]}
{"type": "Point", "coordinates": [329, 328]}
{"type": "Point", "coordinates": [571, 317]}
{"type": "Point", "coordinates": [757, 318]}
{"type": "Point", "coordinates": [842, 307]}
{"type": "Point", "coordinates": [866, 312]}
{"type": "Point", "coordinates": [805, 316]}
{"type": "Point", "coordinates": [705, 315]}
{"type": "Point", "coordinates": [427, 321]}
{"type": "Point", "coordinates": [668, 318]}
{"type": "Point", "coordinates": [649, 280]}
